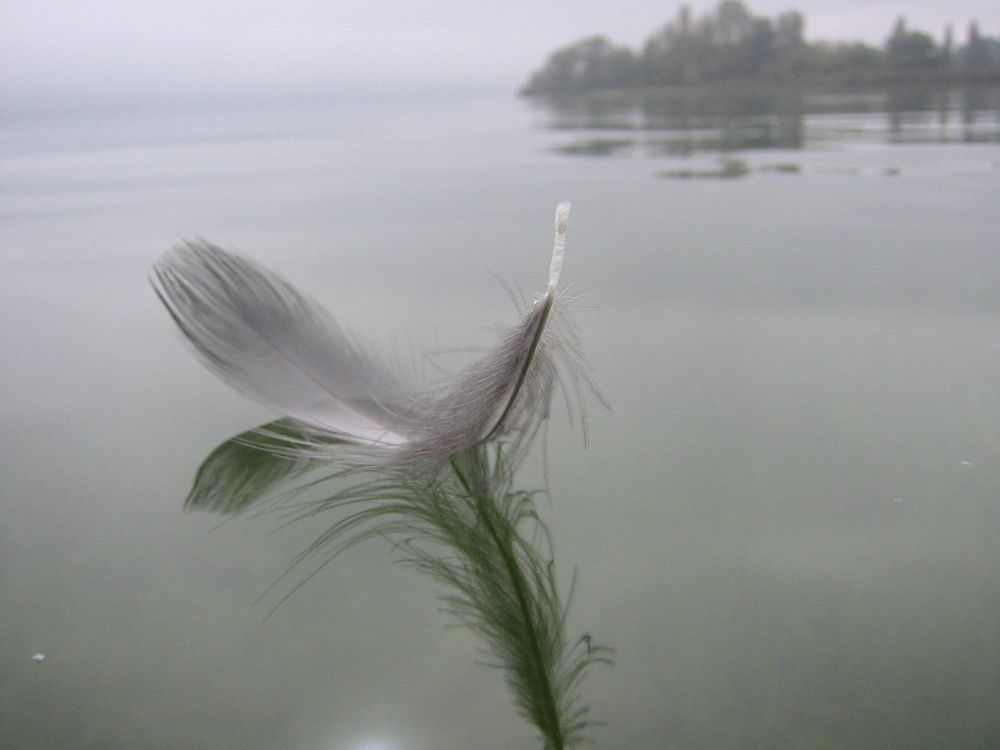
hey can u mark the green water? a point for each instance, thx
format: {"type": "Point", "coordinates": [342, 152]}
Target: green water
{"type": "Point", "coordinates": [787, 527]}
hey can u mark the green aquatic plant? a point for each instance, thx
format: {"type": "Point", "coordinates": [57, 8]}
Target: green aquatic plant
{"type": "Point", "coordinates": [430, 470]}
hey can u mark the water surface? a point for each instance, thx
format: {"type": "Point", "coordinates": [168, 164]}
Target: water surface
{"type": "Point", "coordinates": [787, 527]}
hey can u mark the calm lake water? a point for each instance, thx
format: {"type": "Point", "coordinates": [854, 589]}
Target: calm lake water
{"type": "Point", "coordinates": [787, 528]}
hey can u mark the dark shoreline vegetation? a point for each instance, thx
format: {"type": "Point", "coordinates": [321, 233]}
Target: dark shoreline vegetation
{"type": "Point", "coordinates": [731, 45]}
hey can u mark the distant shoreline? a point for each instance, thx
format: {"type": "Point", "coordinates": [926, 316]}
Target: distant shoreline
{"type": "Point", "coordinates": [852, 79]}
{"type": "Point", "coordinates": [731, 46]}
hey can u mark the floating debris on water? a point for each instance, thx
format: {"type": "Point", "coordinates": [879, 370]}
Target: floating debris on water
{"type": "Point", "coordinates": [965, 463]}
{"type": "Point", "coordinates": [897, 499]}
{"type": "Point", "coordinates": [729, 169]}
{"type": "Point", "coordinates": [782, 167]}
{"type": "Point", "coordinates": [38, 658]}
{"type": "Point", "coordinates": [596, 147]}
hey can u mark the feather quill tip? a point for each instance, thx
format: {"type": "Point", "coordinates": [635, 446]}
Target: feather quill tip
{"type": "Point", "coordinates": [559, 247]}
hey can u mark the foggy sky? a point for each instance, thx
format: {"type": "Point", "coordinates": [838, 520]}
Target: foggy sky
{"type": "Point", "coordinates": [74, 53]}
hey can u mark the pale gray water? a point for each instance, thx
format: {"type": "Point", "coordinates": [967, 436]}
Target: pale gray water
{"type": "Point", "coordinates": [788, 528]}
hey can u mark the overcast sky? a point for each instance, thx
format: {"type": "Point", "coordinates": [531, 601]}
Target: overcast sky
{"type": "Point", "coordinates": [79, 51]}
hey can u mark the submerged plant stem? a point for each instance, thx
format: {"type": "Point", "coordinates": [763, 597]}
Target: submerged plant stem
{"type": "Point", "coordinates": [549, 724]}
{"type": "Point", "coordinates": [528, 359]}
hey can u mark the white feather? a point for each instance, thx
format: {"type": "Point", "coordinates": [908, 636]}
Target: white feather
{"type": "Point", "coordinates": [283, 350]}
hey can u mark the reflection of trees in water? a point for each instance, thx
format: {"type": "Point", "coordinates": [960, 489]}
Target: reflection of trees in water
{"type": "Point", "coordinates": [980, 101]}
{"type": "Point", "coordinates": [685, 121]}
{"type": "Point", "coordinates": [914, 111]}
{"type": "Point", "coordinates": [739, 120]}
{"type": "Point", "coordinates": [912, 105]}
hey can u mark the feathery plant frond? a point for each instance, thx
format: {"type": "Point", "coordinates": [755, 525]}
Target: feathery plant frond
{"type": "Point", "coordinates": [245, 468]}
{"type": "Point", "coordinates": [432, 472]}
{"type": "Point", "coordinates": [467, 528]}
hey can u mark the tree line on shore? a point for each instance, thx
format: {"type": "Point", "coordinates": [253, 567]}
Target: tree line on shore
{"type": "Point", "coordinates": [730, 44]}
